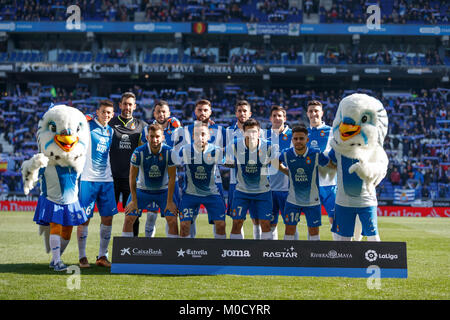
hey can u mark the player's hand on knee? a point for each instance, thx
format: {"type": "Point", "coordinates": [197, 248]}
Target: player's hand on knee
{"type": "Point", "coordinates": [131, 207]}
{"type": "Point", "coordinates": [171, 207]}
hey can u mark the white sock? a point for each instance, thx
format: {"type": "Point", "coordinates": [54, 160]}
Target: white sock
{"type": "Point", "coordinates": [105, 237]}
{"type": "Point", "coordinates": [172, 235]}
{"type": "Point", "coordinates": [266, 235]}
{"type": "Point", "coordinates": [150, 224]}
{"type": "Point", "coordinates": [193, 230]}
{"type": "Point", "coordinates": [242, 233]}
{"type": "Point", "coordinates": [288, 237]}
{"type": "Point", "coordinates": [186, 237]}
{"type": "Point", "coordinates": [274, 232]}
{"type": "Point", "coordinates": [82, 233]}
{"type": "Point", "coordinates": [55, 246]}
{"type": "Point", "coordinates": [313, 238]}
{"type": "Point", "coordinates": [257, 232]}
{"type": "Point", "coordinates": [374, 238]}
{"type": "Point", "coordinates": [64, 244]}
{"type": "Point", "coordinates": [236, 236]}
{"type": "Point", "coordinates": [127, 234]}
{"type": "Point", "coordinates": [296, 235]}
{"type": "Point", "coordinates": [220, 236]}
{"type": "Point", "coordinates": [342, 238]}
{"type": "Point", "coordinates": [335, 236]}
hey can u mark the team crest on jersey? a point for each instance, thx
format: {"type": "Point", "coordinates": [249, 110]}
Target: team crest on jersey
{"type": "Point", "coordinates": [133, 126]}
{"type": "Point", "coordinates": [308, 160]}
{"type": "Point", "coordinates": [161, 157]}
{"type": "Point", "coordinates": [322, 133]}
{"type": "Point", "coordinates": [285, 137]}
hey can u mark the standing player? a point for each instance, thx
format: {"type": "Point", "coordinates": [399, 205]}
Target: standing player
{"type": "Point", "coordinates": [319, 135]}
{"type": "Point", "coordinates": [200, 160]}
{"type": "Point", "coordinates": [152, 179]}
{"type": "Point", "coordinates": [243, 113]}
{"type": "Point", "coordinates": [300, 164]}
{"type": "Point", "coordinates": [281, 135]}
{"type": "Point", "coordinates": [97, 185]}
{"type": "Point", "coordinates": [161, 113]}
{"type": "Point", "coordinates": [126, 138]}
{"type": "Point", "coordinates": [251, 157]}
{"type": "Point", "coordinates": [203, 113]}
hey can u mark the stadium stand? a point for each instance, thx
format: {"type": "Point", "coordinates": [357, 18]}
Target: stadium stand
{"type": "Point", "coordinates": [417, 143]}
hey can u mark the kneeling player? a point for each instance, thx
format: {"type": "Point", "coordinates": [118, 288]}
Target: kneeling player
{"type": "Point", "coordinates": [200, 160]}
{"type": "Point", "coordinates": [152, 179]}
{"type": "Point", "coordinates": [300, 164]}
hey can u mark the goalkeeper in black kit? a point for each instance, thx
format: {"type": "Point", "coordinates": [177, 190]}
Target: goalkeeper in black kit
{"type": "Point", "coordinates": [127, 137]}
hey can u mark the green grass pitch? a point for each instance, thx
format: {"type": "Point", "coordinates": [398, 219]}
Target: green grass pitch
{"type": "Point", "coordinates": [24, 271]}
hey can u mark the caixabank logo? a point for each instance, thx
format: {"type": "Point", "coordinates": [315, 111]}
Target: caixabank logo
{"type": "Point", "coordinates": [372, 255]}
{"type": "Point", "coordinates": [141, 252]}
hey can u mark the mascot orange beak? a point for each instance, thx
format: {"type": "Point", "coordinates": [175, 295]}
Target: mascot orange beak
{"type": "Point", "coordinates": [348, 130]}
{"type": "Point", "coordinates": [66, 142]}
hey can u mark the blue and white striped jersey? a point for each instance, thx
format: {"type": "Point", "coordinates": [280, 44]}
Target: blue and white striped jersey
{"type": "Point", "coordinates": [252, 166]}
{"type": "Point", "coordinates": [64, 186]}
{"type": "Point", "coordinates": [153, 174]}
{"type": "Point", "coordinates": [97, 167]}
{"type": "Point", "coordinates": [319, 138]}
{"type": "Point", "coordinates": [201, 168]}
{"type": "Point", "coordinates": [278, 180]}
{"type": "Point", "coordinates": [303, 175]}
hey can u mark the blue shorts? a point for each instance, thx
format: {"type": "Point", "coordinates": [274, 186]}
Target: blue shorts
{"type": "Point", "coordinates": [100, 192]}
{"type": "Point", "coordinates": [344, 221]}
{"type": "Point", "coordinates": [278, 204]}
{"type": "Point", "coordinates": [259, 205]}
{"type": "Point", "coordinates": [145, 201]}
{"type": "Point", "coordinates": [190, 204]}
{"type": "Point", "coordinates": [231, 189]}
{"type": "Point", "coordinates": [176, 199]}
{"type": "Point", "coordinates": [293, 212]}
{"type": "Point", "coordinates": [327, 196]}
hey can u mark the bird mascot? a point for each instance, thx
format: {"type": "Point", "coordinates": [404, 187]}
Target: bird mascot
{"type": "Point", "coordinates": [63, 139]}
{"type": "Point", "coordinates": [359, 129]}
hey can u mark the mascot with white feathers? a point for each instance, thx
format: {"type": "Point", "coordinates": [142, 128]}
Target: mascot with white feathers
{"type": "Point", "coordinates": [63, 138]}
{"type": "Point", "coordinates": [359, 129]}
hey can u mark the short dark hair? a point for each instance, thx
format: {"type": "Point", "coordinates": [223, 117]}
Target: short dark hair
{"type": "Point", "coordinates": [251, 123]}
{"type": "Point", "coordinates": [202, 102]}
{"type": "Point", "coordinates": [277, 108]}
{"type": "Point", "coordinates": [242, 103]}
{"type": "Point", "coordinates": [127, 95]}
{"type": "Point", "coordinates": [155, 127]}
{"type": "Point", "coordinates": [106, 103]}
{"type": "Point", "coordinates": [160, 103]}
{"type": "Point", "coordinates": [314, 103]}
{"type": "Point", "coordinates": [300, 128]}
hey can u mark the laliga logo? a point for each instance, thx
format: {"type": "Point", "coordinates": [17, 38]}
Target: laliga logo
{"type": "Point", "coordinates": [371, 255]}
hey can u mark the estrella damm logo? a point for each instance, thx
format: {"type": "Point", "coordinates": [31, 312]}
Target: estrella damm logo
{"type": "Point", "coordinates": [199, 27]}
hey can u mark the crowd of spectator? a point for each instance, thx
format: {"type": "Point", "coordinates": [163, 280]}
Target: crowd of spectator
{"type": "Point", "coordinates": [392, 12]}
{"type": "Point", "coordinates": [341, 11]}
{"type": "Point", "coordinates": [417, 143]}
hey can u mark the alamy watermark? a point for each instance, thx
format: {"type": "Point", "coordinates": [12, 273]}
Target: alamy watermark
{"type": "Point", "coordinates": [74, 280]}
{"type": "Point", "coordinates": [374, 280]}
{"type": "Point", "coordinates": [373, 22]}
